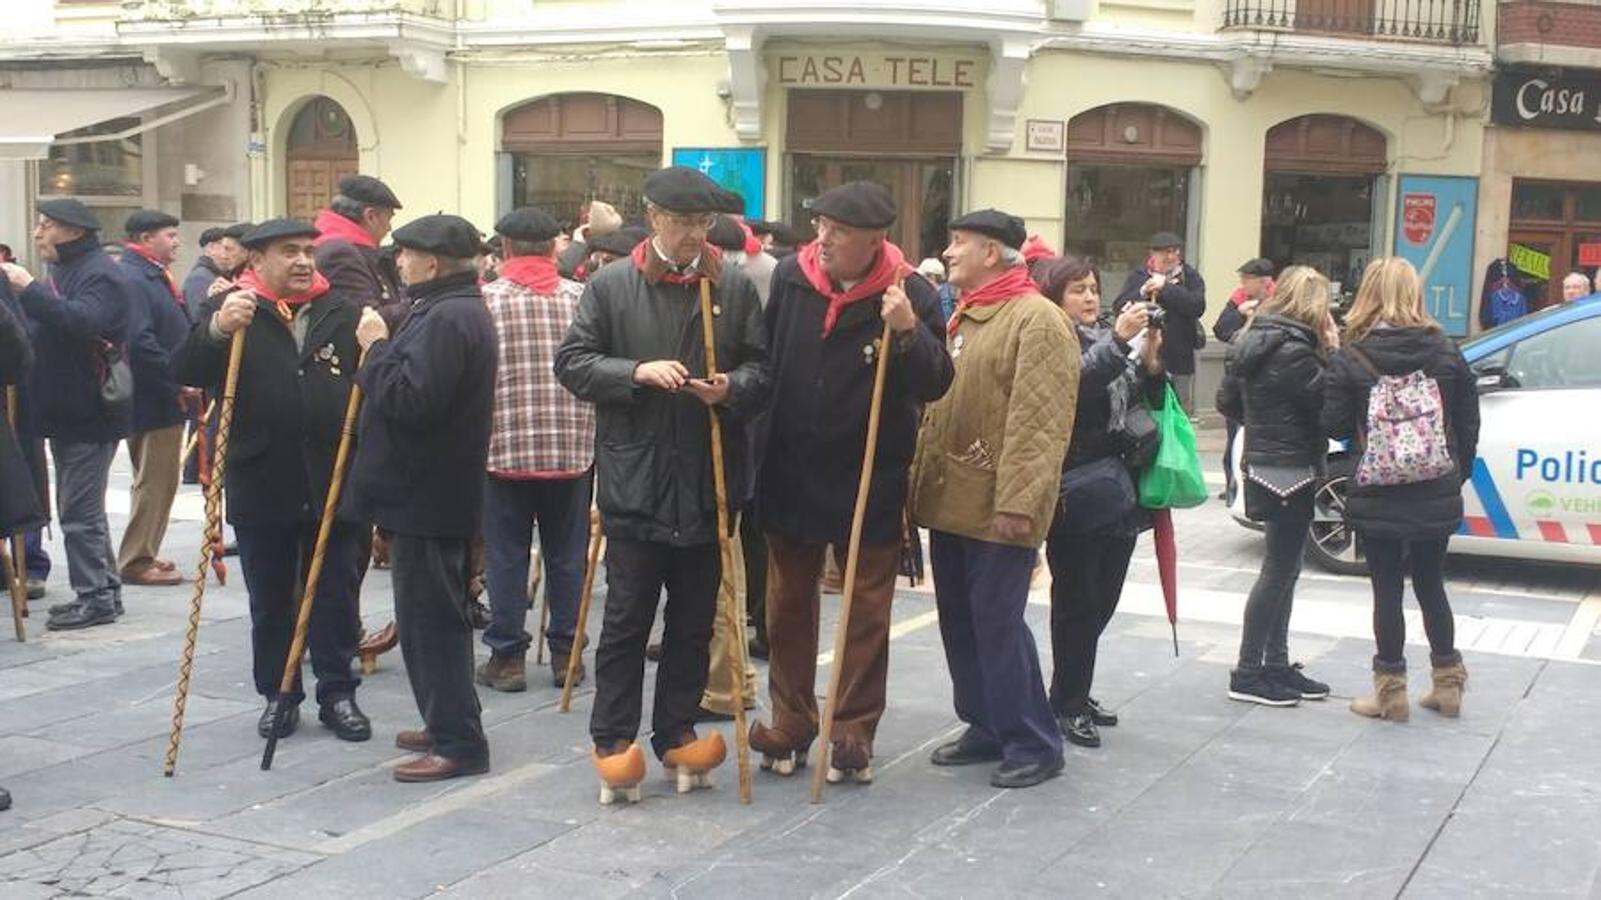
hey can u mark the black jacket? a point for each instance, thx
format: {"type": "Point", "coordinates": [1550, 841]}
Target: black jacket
{"type": "Point", "coordinates": [425, 417]}
{"type": "Point", "coordinates": [822, 390]}
{"type": "Point", "coordinates": [364, 276]}
{"type": "Point", "coordinates": [1430, 508]}
{"type": "Point", "coordinates": [1184, 302]}
{"type": "Point", "coordinates": [1103, 359]}
{"type": "Point", "coordinates": [197, 284]}
{"type": "Point", "coordinates": [157, 324]}
{"type": "Point", "coordinates": [653, 467]}
{"type": "Point", "coordinates": [20, 508]}
{"type": "Point", "coordinates": [1229, 322]}
{"type": "Point", "coordinates": [288, 408]}
{"type": "Point", "coordinates": [1273, 382]}
{"type": "Point", "coordinates": [70, 325]}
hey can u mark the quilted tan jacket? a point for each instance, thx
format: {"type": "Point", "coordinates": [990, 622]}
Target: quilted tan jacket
{"type": "Point", "coordinates": [995, 442]}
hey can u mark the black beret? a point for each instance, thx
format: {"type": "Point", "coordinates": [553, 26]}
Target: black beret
{"type": "Point", "coordinates": [276, 229]}
{"type": "Point", "coordinates": [69, 212]}
{"type": "Point", "coordinates": [681, 189]}
{"type": "Point", "coordinates": [238, 230]}
{"type": "Point", "coordinates": [528, 223]}
{"type": "Point", "coordinates": [1258, 267]}
{"type": "Point", "coordinates": [1003, 227]}
{"type": "Point", "coordinates": [441, 235]}
{"type": "Point", "coordinates": [147, 220]}
{"type": "Point", "coordinates": [759, 227]}
{"type": "Point", "coordinates": [859, 204]}
{"type": "Point", "coordinates": [727, 234]}
{"type": "Point", "coordinates": [369, 190]}
{"type": "Point", "coordinates": [210, 236]}
{"type": "Point", "coordinates": [733, 203]}
{"type": "Point", "coordinates": [620, 242]}
{"type": "Point", "coordinates": [1165, 239]}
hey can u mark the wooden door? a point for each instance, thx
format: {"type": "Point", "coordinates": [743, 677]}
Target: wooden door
{"type": "Point", "coordinates": [922, 190]}
{"type": "Point", "coordinates": [312, 183]}
{"type": "Point", "coordinates": [1543, 287]}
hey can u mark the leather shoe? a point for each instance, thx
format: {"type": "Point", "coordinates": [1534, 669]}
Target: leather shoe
{"type": "Point", "coordinates": [36, 588]}
{"type": "Point", "coordinates": [434, 767]}
{"type": "Point", "coordinates": [1079, 728]}
{"type": "Point", "coordinates": [291, 719]}
{"type": "Point", "coordinates": [345, 719]}
{"type": "Point", "coordinates": [558, 670]}
{"type": "Point", "coordinates": [152, 576]}
{"type": "Point", "coordinates": [965, 751]}
{"type": "Point", "coordinates": [5, 799]}
{"type": "Point", "coordinates": [1022, 775]}
{"type": "Point", "coordinates": [415, 740]}
{"type": "Point", "coordinates": [1100, 714]}
{"type": "Point", "coordinates": [81, 615]}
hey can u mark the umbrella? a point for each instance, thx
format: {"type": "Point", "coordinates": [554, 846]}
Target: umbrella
{"type": "Point", "coordinates": [1167, 567]}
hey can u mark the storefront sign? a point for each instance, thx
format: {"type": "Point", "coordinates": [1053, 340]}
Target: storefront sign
{"type": "Point", "coordinates": [875, 70]}
{"type": "Point", "coordinates": [742, 170]}
{"type": "Point", "coordinates": [1589, 255]}
{"type": "Point", "coordinates": [1434, 230]}
{"type": "Point", "coordinates": [1046, 136]}
{"type": "Point", "coordinates": [1530, 261]}
{"type": "Point", "coordinates": [1547, 100]}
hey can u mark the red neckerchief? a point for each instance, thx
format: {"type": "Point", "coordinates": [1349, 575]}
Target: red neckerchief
{"type": "Point", "coordinates": [1175, 275]}
{"type": "Point", "coordinates": [536, 273]}
{"type": "Point", "coordinates": [1238, 298]}
{"type": "Point", "coordinates": [889, 266]}
{"type": "Point", "coordinates": [334, 227]}
{"type": "Point", "coordinates": [1014, 282]}
{"type": "Point", "coordinates": [642, 263]}
{"type": "Point", "coordinates": [172, 283]}
{"type": "Point", "coordinates": [753, 244]}
{"type": "Point", "coordinates": [250, 281]}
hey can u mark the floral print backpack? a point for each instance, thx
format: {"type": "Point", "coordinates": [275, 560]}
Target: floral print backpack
{"type": "Point", "coordinates": [1405, 435]}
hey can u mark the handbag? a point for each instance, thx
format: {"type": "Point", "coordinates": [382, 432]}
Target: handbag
{"type": "Point", "coordinates": [1273, 492]}
{"type": "Point", "coordinates": [116, 380]}
{"type": "Point", "coordinates": [1174, 479]}
{"type": "Point", "coordinates": [1132, 426]}
{"type": "Point", "coordinates": [1094, 497]}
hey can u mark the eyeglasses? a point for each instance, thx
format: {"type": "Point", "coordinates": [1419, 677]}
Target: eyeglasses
{"type": "Point", "coordinates": [694, 221]}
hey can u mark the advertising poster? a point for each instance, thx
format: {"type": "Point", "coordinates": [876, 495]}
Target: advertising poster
{"type": "Point", "coordinates": [1435, 232]}
{"type": "Point", "coordinates": [742, 170]}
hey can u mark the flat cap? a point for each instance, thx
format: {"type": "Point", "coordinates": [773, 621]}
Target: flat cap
{"type": "Point", "coordinates": [620, 242]}
{"type": "Point", "coordinates": [1258, 267]}
{"type": "Point", "coordinates": [369, 190]}
{"type": "Point", "coordinates": [1002, 226]}
{"type": "Point", "coordinates": [726, 234]}
{"type": "Point", "coordinates": [1165, 239]}
{"type": "Point", "coordinates": [210, 236]}
{"type": "Point", "coordinates": [69, 212]}
{"type": "Point", "coordinates": [684, 190]}
{"type": "Point", "coordinates": [528, 223]}
{"type": "Point", "coordinates": [859, 204]}
{"type": "Point", "coordinates": [147, 220]}
{"type": "Point", "coordinates": [440, 234]}
{"type": "Point", "coordinates": [238, 230]}
{"type": "Point", "coordinates": [260, 236]}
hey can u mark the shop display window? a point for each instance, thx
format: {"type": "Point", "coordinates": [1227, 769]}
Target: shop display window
{"type": "Point", "coordinates": [112, 168]}
{"type": "Point", "coordinates": [1322, 221]}
{"type": "Point", "coordinates": [562, 183]}
{"type": "Point", "coordinates": [1112, 211]}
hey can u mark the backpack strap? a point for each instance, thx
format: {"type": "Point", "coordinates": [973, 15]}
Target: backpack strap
{"type": "Point", "coordinates": [1366, 363]}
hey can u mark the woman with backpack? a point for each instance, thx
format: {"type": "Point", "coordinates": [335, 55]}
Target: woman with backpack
{"type": "Point", "coordinates": [1273, 382]}
{"type": "Point", "coordinates": [1404, 391]}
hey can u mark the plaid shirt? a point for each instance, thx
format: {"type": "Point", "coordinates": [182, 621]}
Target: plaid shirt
{"type": "Point", "coordinates": [540, 430]}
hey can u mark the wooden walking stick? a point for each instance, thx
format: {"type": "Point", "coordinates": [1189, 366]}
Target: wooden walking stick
{"type": "Point", "coordinates": [330, 503]}
{"type": "Point", "coordinates": [534, 581]}
{"type": "Point", "coordinates": [208, 544]}
{"type": "Point", "coordinates": [16, 565]}
{"type": "Point", "coordinates": [730, 603]}
{"type": "Point", "coordinates": [852, 556]}
{"type": "Point", "coordinates": [194, 439]}
{"type": "Point", "coordinates": [576, 654]}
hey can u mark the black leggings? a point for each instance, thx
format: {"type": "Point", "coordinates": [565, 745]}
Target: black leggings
{"type": "Point", "coordinates": [1390, 560]}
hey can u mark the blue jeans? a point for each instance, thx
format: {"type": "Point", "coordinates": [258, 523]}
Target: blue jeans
{"type": "Point", "coordinates": [560, 507]}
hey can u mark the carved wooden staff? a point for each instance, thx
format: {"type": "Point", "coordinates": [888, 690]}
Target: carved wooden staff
{"type": "Point", "coordinates": [208, 545]}
{"type": "Point", "coordinates": [16, 569]}
{"type": "Point", "coordinates": [577, 652]}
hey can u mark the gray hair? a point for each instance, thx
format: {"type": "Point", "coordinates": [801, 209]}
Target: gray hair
{"type": "Point", "coordinates": [1011, 256]}
{"type": "Point", "coordinates": [1580, 276]}
{"type": "Point", "coordinates": [514, 247]}
{"type": "Point", "coordinates": [350, 209]}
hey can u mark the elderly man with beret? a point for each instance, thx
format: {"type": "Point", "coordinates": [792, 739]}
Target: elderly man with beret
{"type": "Point", "coordinates": [349, 232]}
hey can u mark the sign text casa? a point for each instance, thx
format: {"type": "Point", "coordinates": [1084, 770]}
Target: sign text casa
{"type": "Point", "coordinates": [848, 70]}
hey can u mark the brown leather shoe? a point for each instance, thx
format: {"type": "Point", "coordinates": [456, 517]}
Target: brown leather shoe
{"type": "Point", "coordinates": [417, 740]}
{"type": "Point", "coordinates": [165, 565]}
{"type": "Point", "coordinates": [434, 767]}
{"type": "Point", "coordinates": [152, 575]}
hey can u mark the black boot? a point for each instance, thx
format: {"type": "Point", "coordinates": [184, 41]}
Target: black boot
{"type": "Point", "coordinates": [345, 719]}
{"type": "Point", "coordinates": [286, 726]}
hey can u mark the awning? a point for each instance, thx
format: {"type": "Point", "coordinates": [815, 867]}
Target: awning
{"type": "Point", "coordinates": [34, 117]}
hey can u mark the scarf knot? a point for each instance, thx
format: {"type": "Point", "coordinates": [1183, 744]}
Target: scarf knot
{"type": "Point", "coordinates": [888, 268]}
{"type": "Point", "coordinates": [1014, 282]}
{"type": "Point", "coordinates": [286, 304]}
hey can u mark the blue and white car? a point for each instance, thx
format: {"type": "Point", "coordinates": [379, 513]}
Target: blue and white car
{"type": "Point", "coordinates": [1535, 490]}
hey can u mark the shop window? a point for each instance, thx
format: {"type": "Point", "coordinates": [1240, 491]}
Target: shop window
{"type": "Point", "coordinates": [568, 149]}
{"type": "Point", "coordinates": [1555, 229]}
{"type": "Point", "coordinates": [1537, 201]}
{"type": "Point", "coordinates": [922, 191]}
{"type": "Point", "coordinates": [1587, 203]}
{"type": "Point", "coordinates": [111, 168]}
{"type": "Point", "coordinates": [1322, 221]}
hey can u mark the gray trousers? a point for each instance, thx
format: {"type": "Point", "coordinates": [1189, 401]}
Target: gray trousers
{"type": "Point", "coordinates": [82, 471]}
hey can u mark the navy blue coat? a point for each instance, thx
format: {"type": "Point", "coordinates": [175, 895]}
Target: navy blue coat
{"type": "Point", "coordinates": [197, 284]}
{"type": "Point", "coordinates": [71, 324]}
{"type": "Point", "coordinates": [425, 419]}
{"type": "Point", "coordinates": [157, 325]}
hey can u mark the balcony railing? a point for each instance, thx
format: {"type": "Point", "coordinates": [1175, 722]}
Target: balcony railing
{"type": "Point", "coordinates": [1429, 21]}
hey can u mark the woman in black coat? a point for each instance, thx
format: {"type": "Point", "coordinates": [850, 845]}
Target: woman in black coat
{"type": "Point", "coordinates": [1405, 527]}
{"type": "Point", "coordinates": [1097, 521]}
{"type": "Point", "coordinates": [20, 509]}
{"type": "Point", "coordinates": [1273, 382]}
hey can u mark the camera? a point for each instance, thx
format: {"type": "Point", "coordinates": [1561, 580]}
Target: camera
{"type": "Point", "coordinates": [1158, 315]}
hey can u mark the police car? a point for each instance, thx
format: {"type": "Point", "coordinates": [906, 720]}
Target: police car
{"type": "Point", "coordinates": [1535, 489]}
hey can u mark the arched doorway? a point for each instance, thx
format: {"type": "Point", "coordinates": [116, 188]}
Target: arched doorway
{"type": "Point", "coordinates": [564, 150]}
{"type": "Point", "coordinates": [1130, 174]}
{"type": "Point", "coordinates": [321, 150]}
{"type": "Point", "coordinates": [1321, 197]}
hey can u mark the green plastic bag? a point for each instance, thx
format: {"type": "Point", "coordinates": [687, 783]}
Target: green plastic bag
{"type": "Point", "coordinates": [1174, 480]}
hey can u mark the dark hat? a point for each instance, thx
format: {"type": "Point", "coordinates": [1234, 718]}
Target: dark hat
{"type": "Point", "coordinates": [620, 242]}
{"type": "Point", "coordinates": [733, 203]}
{"type": "Point", "coordinates": [859, 204]}
{"type": "Point", "coordinates": [1258, 267]}
{"type": "Point", "coordinates": [1004, 227]}
{"type": "Point", "coordinates": [760, 227]}
{"type": "Point", "coordinates": [727, 234]}
{"type": "Point", "coordinates": [1165, 239]}
{"type": "Point", "coordinates": [271, 230]}
{"type": "Point", "coordinates": [368, 190]}
{"type": "Point", "coordinates": [147, 220]}
{"type": "Point", "coordinates": [528, 223]}
{"type": "Point", "coordinates": [210, 236]}
{"type": "Point", "coordinates": [442, 235]}
{"type": "Point", "coordinates": [684, 190]}
{"type": "Point", "coordinates": [69, 212]}
{"type": "Point", "coordinates": [238, 230]}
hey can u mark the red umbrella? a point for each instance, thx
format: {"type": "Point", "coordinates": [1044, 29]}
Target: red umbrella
{"type": "Point", "coordinates": [1167, 567]}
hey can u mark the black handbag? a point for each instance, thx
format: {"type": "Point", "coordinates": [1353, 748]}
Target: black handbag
{"type": "Point", "coordinates": [1094, 497]}
{"type": "Point", "coordinates": [116, 380]}
{"type": "Point", "coordinates": [1275, 492]}
{"type": "Point", "coordinates": [1132, 426]}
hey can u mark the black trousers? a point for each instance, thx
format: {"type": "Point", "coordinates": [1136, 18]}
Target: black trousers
{"type": "Point", "coordinates": [636, 573]}
{"type": "Point", "coordinates": [1390, 560]}
{"type": "Point", "coordinates": [275, 560]}
{"type": "Point", "coordinates": [1265, 637]}
{"type": "Point", "coordinates": [430, 578]}
{"type": "Point", "coordinates": [1087, 574]}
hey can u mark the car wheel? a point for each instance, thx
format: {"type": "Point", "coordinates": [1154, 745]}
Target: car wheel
{"type": "Point", "coordinates": [1332, 544]}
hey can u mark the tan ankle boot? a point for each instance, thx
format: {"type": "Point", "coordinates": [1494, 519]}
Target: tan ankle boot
{"type": "Point", "coordinates": [1450, 681]}
{"type": "Point", "coordinates": [1388, 700]}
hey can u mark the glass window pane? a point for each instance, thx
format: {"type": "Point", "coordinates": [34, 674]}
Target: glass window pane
{"type": "Point", "coordinates": [1587, 205]}
{"type": "Point", "coordinates": [1532, 200]}
{"type": "Point", "coordinates": [562, 183]}
{"type": "Point", "coordinates": [938, 186]}
{"type": "Point", "coordinates": [1322, 221]}
{"type": "Point", "coordinates": [1112, 211]}
{"type": "Point", "coordinates": [1563, 357]}
{"type": "Point", "coordinates": [100, 169]}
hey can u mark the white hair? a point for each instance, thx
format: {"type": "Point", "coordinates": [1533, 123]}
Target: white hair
{"type": "Point", "coordinates": [1011, 256]}
{"type": "Point", "coordinates": [1580, 277]}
